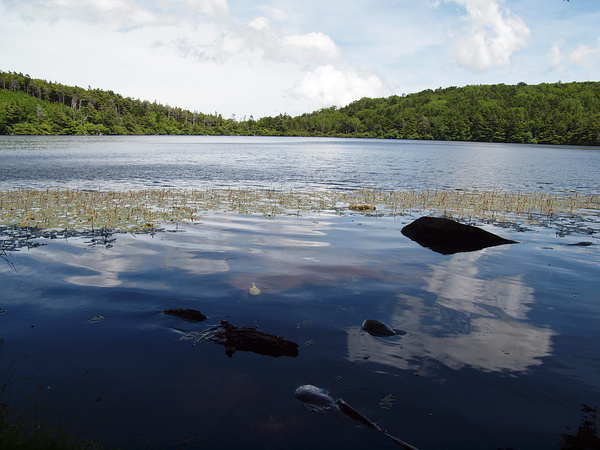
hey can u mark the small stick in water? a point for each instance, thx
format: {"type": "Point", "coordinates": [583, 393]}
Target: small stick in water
{"type": "Point", "coordinates": [319, 400]}
{"type": "Point", "coordinates": [355, 415]}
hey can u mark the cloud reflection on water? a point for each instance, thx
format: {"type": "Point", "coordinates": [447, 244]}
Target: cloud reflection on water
{"type": "Point", "coordinates": [466, 314]}
{"type": "Point", "coordinates": [458, 287]}
{"type": "Point", "coordinates": [476, 321]}
{"type": "Point", "coordinates": [97, 267]}
{"type": "Point", "coordinates": [200, 249]}
{"type": "Point", "coordinates": [102, 267]}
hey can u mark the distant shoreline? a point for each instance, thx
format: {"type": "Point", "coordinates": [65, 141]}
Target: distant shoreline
{"type": "Point", "coordinates": [553, 113]}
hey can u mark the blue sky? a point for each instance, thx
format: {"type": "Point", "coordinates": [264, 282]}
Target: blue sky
{"type": "Point", "coordinates": [253, 57]}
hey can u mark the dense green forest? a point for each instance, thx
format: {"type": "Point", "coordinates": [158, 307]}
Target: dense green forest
{"type": "Point", "coordinates": [555, 113]}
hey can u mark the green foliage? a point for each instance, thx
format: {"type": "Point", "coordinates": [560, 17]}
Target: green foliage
{"type": "Point", "coordinates": [556, 113]}
{"type": "Point", "coordinates": [31, 106]}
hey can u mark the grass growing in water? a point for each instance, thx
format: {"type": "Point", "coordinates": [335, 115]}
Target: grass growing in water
{"type": "Point", "coordinates": [45, 420]}
{"type": "Point", "coordinates": [135, 210]}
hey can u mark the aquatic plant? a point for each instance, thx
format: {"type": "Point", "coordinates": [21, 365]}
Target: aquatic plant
{"type": "Point", "coordinates": [587, 432]}
{"type": "Point", "coordinates": [361, 207]}
{"type": "Point", "coordinates": [146, 209]}
{"type": "Point", "coordinates": [50, 418]}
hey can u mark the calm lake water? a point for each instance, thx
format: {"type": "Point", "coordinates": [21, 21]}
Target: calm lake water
{"type": "Point", "coordinates": [291, 163]}
{"type": "Point", "coordinates": [498, 350]}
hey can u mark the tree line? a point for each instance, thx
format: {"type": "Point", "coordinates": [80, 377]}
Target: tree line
{"type": "Point", "coordinates": [548, 113]}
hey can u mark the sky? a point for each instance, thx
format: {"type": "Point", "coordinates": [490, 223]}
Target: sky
{"type": "Point", "coordinates": [258, 58]}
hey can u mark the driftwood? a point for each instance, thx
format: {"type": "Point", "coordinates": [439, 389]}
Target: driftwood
{"type": "Point", "coordinates": [447, 236]}
{"type": "Point", "coordinates": [319, 400]}
{"type": "Point", "coordinates": [249, 339]}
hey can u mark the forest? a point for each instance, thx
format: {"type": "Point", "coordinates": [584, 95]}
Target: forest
{"type": "Point", "coordinates": [547, 113]}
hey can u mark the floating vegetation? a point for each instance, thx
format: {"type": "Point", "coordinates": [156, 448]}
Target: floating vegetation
{"type": "Point", "coordinates": [387, 401]}
{"type": "Point", "coordinates": [254, 290]}
{"type": "Point", "coordinates": [144, 210]}
{"type": "Point", "coordinates": [362, 207]}
{"type": "Point", "coordinates": [14, 238]}
{"type": "Point", "coordinates": [95, 319]}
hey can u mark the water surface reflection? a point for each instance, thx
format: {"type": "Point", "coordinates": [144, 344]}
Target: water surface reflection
{"type": "Point", "coordinates": [500, 324]}
{"type": "Point", "coordinates": [467, 318]}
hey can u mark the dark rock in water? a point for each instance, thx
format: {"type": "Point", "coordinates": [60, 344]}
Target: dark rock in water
{"type": "Point", "coordinates": [191, 315]}
{"type": "Point", "coordinates": [249, 339]}
{"type": "Point", "coordinates": [314, 398]}
{"type": "Point", "coordinates": [447, 236]}
{"type": "Point", "coordinates": [377, 328]}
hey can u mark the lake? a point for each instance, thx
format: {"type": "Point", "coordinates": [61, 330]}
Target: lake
{"type": "Point", "coordinates": [495, 348]}
{"type": "Point", "coordinates": [134, 162]}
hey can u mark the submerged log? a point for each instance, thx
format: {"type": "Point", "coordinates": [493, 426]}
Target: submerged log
{"type": "Point", "coordinates": [191, 315]}
{"type": "Point", "coordinates": [249, 339]}
{"type": "Point", "coordinates": [447, 236]}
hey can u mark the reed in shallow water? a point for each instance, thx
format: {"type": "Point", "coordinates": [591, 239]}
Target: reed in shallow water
{"type": "Point", "coordinates": [147, 208]}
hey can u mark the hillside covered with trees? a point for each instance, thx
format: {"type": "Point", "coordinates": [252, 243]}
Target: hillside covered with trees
{"type": "Point", "coordinates": [556, 113]}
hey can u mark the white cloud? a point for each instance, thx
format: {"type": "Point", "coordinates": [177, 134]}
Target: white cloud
{"type": "Point", "coordinates": [311, 45]}
{"type": "Point", "coordinates": [494, 35]}
{"type": "Point", "coordinates": [556, 57]}
{"type": "Point", "coordinates": [274, 13]}
{"type": "Point", "coordinates": [327, 86]}
{"type": "Point", "coordinates": [269, 57]}
{"type": "Point", "coordinates": [263, 40]}
{"type": "Point", "coordinates": [586, 55]}
{"type": "Point", "coordinates": [583, 56]}
{"type": "Point", "coordinates": [121, 14]}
